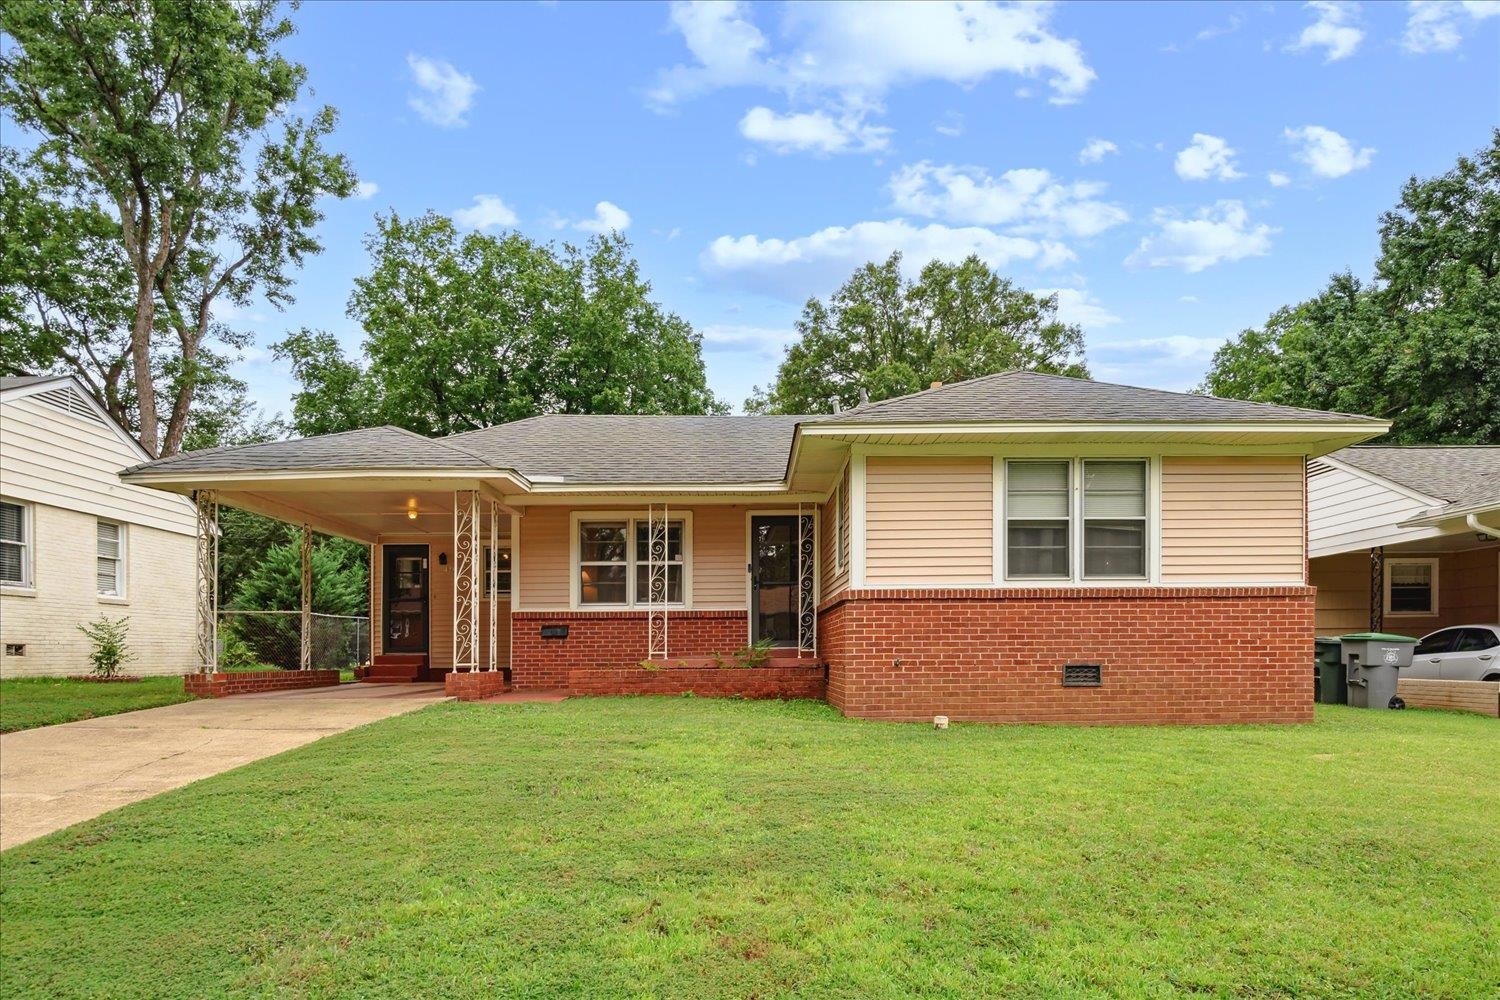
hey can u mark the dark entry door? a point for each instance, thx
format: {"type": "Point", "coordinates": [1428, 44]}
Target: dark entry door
{"type": "Point", "coordinates": [405, 609]}
{"type": "Point", "coordinates": [774, 571]}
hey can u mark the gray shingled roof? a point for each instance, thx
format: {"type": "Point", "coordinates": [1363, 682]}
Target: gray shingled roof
{"type": "Point", "coordinates": [369, 448]}
{"type": "Point", "coordinates": [1460, 474]}
{"type": "Point", "coordinates": [600, 449]}
{"type": "Point", "coordinates": [1032, 397]}
{"type": "Point", "coordinates": [22, 381]}
{"type": "Point", "coordinates": [639, 449]}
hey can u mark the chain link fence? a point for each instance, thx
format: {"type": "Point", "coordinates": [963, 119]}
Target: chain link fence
{"type": "Point", "coordinates": [272, 640]}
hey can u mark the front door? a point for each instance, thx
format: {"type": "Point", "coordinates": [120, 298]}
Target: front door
{"type": "Point", "coordinates": [774, 571]}
{"type": "Point", "coordinates": [405, 607]}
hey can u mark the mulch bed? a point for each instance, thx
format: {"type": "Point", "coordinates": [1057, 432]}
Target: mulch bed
{"type": "Point", "coordinates": [120, 679]}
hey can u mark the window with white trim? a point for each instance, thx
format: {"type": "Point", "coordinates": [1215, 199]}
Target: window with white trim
{"type": "Point", "coordinates": [1114, 519]}
{"type": "Point", "coordinates": [1411, 586]}
{"type": "Point", "coordinates": [838, 525]}
{"type": "Point", "coordinates": [110, 572]}
{"type": "Point", "coordinates": [614, 562]}
{"type": "Point", "coordinates": [1037, 522]}
{"type": "Point", "coordinates": [502, 584]}
{"type": "Point", "coordinates": [15, 544]}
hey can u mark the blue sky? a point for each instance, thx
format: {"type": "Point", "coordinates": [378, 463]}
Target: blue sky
{"type": "Point", "coordinates": [1176, 171]}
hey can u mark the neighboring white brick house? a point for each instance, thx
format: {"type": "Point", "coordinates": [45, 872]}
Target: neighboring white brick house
{"type": "Point", "coordinates": [76, 542]}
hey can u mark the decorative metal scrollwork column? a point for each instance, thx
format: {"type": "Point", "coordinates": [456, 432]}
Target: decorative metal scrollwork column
{"type": "Point", "coordinates": [658, 555]}
{"type": "Point", "coordinates": [807, 561]}
{"type": "Point", "coordinates": [1377, 588]}
{"type": "Point", "coordinates": [492, 659]}
{"type": "Point", "coordinates": [305, 657]}
{"type": "Point", "coordinates": [466, 558]}
{"type": "Point", "coordinates": [207, 504]}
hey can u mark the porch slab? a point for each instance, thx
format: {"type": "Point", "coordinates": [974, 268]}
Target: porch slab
{"type": "Point", "coordinates": [53, 777]}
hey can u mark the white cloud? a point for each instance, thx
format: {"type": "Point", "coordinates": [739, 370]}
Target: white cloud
{"type": "Point", "coordinates": [804, 265]}
{"type": "Point", "coordinates": [1327, 153]}
{"type": "Point", "coordinates": [1095, 150]}
{"type": "Point", "coordinates": [1074, 305]}
{"type": "Point", "coordinates": [816, 132]}
{"type": "Point", "coordinates": [1212, 235]}
{"type": "Point", "coordinates": [446, 94]}
{"type": "Point", "coordinates": [1205, 157]}
{"type": "Point", "coordinates": [766, 341]}
{"type": "Point", "coordinates": [1278, 179]}
{"type": "Point", "coordinates": [487, 212]}
{"type": "Point", "coordinates": [1439, 25]}
{"type": "Point", "coordinates": [365, 190]}
{"type": "Point", "coordinates": [1187, 298]}
{"type": "Point", "coordinates": [1029, 199]}
{"type": "Point", "coordinates": [858, 52]}
{"type": "Point", "coordinates": [1332, 30]}
{"type": "Point", "coordinates": [608, 217]}
{"type": "Point", "coordinates": [951, 124]}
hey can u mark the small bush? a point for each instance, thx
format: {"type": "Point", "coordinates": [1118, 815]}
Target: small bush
{"type": "Point", "coordinates": [755, 654]}
{"type": "Point", "coordinates": [110, 652]}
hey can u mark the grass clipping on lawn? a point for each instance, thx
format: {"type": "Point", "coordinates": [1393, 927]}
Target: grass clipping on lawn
{"type": "Point", "coordinates": [687, 847]}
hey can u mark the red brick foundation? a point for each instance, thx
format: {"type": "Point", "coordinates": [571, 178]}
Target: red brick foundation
{"type": "Point", "coordinates": [1169, 655]}
{"type": "Point", "coordinates": [259, 682]}
{"type": "Point", "coordinates": [473, 685]}
{"type": "Point", "coordinates": [706, 682]}
{"type": "Point", "coordinates": [611, 639]}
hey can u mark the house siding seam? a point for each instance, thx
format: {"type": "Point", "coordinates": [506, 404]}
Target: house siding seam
{"type": "Point", "coordinates": [1169, 655]}
{"type": "Point", "coordinates": [612, 639]}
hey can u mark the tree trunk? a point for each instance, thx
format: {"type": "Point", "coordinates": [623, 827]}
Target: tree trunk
{"type": "Point", "coordinates": [140, 351]}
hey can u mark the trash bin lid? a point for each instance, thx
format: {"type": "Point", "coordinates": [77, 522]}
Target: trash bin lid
{"type": "Point", "coordinates": [1376, 637]}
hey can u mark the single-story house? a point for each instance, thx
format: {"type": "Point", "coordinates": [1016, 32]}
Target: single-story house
{"type": "Point", "coordinates": [1017, 547]}
{"type": "Point", "coordinates": [76, 542]}
{"type": "Point", "coordinates": [1405, 538]}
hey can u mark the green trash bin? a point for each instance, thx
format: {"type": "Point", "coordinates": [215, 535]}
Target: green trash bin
{"type": "Point", "coordinates": [1333, 677]}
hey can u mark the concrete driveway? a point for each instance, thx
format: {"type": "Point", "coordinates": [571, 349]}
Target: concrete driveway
{"type": "Point", "coordinates": [60, 775]}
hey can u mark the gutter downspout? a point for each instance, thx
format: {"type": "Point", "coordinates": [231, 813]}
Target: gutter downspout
{"type": "Point", "coordinates": [1472, 520]}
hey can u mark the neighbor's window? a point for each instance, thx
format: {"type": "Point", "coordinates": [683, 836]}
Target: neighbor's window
{"type": "Point", "coordinates": [1114, 519]}
{"type": "Point", "coordinates": [610, 571]}
{"type": "Point", "coordinates": [15, 544]}
{"type": "Point", "coordinates": [502, 584]}
{"type": "Point", "coordinates": [111, 559]}
{"type": "Point", "coordinates": [1411, 586]}
{"type": "Point", "coordinates": [671, 555]}
{"type": "Point", "coordinates": [1036, 519]}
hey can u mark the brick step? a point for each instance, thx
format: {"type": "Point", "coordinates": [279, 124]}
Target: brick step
{"type": "Point", "coordinates": [404, 659]}
{"type": "Point", "coordinates": [396, 667]}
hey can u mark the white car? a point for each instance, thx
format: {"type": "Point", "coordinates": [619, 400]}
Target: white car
{"type": "Point", "coordinates": [1460, 653]}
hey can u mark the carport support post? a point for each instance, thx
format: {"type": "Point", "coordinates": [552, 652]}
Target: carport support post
{"type": "Point", "coordinates": [306, 658]}
{"type": "Point", "coordinates": [206, 503]}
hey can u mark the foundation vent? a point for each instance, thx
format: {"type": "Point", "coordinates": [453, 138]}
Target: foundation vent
{"type": "Point", "coordinates": [1082, 675]}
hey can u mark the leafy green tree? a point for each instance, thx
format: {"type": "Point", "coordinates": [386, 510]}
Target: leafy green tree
{"type": "Point", "coordinates": [167, 149]}
{"type": "Point", "coordinates": [467, 331]}
{"type": "Point", "coordinates": [888, 335]}
{"type": "Point", "coordinates": [1420, 346]}
{"type": "Point", "coordinates": [274, 583]}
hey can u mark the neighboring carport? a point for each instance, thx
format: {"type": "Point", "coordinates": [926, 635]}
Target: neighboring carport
{"type": "Point", "coordinates": [53, 777]}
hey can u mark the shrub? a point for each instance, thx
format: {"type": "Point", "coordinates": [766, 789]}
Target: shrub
{"type": "Point", "coordinates": [107, 636]}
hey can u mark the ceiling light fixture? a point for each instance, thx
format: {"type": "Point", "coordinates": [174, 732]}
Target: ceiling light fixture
{"type": "Point", "coordinates": [411, 509]}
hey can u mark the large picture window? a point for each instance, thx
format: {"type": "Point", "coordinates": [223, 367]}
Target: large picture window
{"type": "Point", "coordinates": [15, 544]}
{"type": "Point", "coordinates": [1114, 519]}
{"type": "Point", "coordinates": [614, 562]}
{"type": "Point", "coordinates": [1036, 519]}
{"type": "Point", "coordinates": [110, 572]}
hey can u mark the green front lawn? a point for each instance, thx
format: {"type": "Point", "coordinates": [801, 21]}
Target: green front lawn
{"type": "Point", "coordinates": [693, 848]}
{"type": "Point", "coordinates": [26, 703]}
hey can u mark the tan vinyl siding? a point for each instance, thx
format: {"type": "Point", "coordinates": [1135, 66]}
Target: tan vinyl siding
{"type": "Point", "coordinates": [717, 554]}
{"type": "Point", "coordinates": [834, 576]}
{"type": "Point", "coordinates": [1468, 591]}
{"type": "Point", "coordinates": [929, 520]}
{"type": "Point", "coordinates": [1343, 582]}
{"type": "Point", "coordinates": [719, 559]}
{"type": "Point", "coordinates": [1232, 519]}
